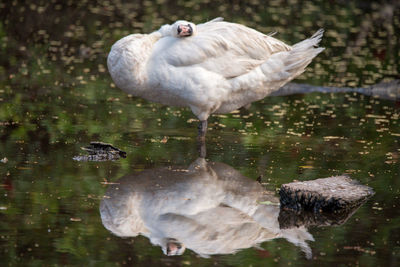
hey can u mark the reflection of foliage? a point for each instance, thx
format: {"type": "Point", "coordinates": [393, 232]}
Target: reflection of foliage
{"type": "Point", "coordinates": [56, 96]}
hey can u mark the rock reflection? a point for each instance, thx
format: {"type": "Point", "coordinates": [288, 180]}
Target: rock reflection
{"type": "Point", "coordinates": [290, 218]}
{"type": "Point", "coordinates": [209, 208]}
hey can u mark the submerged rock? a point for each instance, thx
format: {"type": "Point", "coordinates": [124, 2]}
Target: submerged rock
{"type": "Point", "coordinates": [326, 194]}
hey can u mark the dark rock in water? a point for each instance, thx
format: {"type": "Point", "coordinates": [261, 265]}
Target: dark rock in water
{"type": "Point", "coordinates": [326, 194]}
{"type": "Point", "coordinates": [96, 148]}
{"type": "Point", "coordinates": [99, 151]}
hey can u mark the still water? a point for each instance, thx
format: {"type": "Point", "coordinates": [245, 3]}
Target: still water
{"type": "Point", "coordinates": [56, 96]}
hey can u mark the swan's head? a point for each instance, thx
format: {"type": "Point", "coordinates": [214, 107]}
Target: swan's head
{"type": "Point", "coordinates": [183, 28]}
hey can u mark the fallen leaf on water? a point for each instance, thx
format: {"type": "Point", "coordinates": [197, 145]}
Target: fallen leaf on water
{"type": "Point", "coordinates": [327, 138]}
{"type": "Point", "coordinates": [107, 182]}
{"type": "Point", "coordinates": [360, 249]}
{"type": "Point", "coordinates": [306, 167]}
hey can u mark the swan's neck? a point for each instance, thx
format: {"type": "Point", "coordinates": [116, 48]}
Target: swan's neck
{"type": "Point", "coordinates": [128, 59]}
{"type": "Point", "coordinates": [165, 30]}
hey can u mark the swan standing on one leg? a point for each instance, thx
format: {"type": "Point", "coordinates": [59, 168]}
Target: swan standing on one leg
{"type": "Point", "coordinates": [214, 67]}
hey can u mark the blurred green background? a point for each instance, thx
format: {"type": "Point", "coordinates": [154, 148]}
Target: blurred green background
{"type": "Point", "coordinates": [56, 96]}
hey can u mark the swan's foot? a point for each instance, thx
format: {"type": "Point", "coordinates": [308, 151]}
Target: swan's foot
{"type": "Point", "coordinates": [201, 138]}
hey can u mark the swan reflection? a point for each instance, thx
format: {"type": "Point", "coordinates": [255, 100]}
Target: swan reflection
{"type": "Point", "coordinates": [209, 208]}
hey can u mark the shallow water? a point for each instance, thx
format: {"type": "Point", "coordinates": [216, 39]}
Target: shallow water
{"type": "Point", "coordinates": [56, 96]}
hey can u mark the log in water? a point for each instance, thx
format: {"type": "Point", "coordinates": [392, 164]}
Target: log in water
{"type": "Point", "coordinates": [384, 90]}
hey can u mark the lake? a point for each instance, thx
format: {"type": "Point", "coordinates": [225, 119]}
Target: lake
{"type": "Point", "coordinates": [57, 96]}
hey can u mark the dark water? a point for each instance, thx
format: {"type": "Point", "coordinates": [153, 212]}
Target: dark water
{"type": "Point", "coordinates": [56, 96]}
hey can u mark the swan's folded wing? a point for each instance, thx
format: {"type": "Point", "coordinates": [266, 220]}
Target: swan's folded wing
{"type": "Point", "coordinates": [228, 49]}
{"type": "Point", "coordinates": [218, 19]}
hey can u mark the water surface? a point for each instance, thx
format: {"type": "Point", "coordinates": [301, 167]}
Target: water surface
{"type": "Point", "coordinates": [56, 96]}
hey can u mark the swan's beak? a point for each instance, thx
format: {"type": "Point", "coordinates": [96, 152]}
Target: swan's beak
{"type": "Point", "coordinates": [185, 30]}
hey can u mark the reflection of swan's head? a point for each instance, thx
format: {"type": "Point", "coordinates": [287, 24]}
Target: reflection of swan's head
{"type": "Point", "coordinates": [173, 247]}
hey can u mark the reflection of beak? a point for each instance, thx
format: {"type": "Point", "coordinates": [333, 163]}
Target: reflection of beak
{"type": "Point", "coordinates": [185, 30]}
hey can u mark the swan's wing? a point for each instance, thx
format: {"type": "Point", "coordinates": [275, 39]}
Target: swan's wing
{"type": "Point", "coordinates": [228, 49]}
{"type": "Point", "coordinates": [218, 19]}
{"type": "Point", "coordinates": [245, 41]}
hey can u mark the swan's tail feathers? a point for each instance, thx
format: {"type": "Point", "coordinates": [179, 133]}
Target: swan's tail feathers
{"type": "Point", "coordinates": [303, 53]}
{"type": "Point", "coordinates": [313, 40]}
{"type": "Point", "coordinates": [280, 67]}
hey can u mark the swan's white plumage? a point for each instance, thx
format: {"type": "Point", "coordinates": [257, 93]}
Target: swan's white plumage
{"type": "Point", "coordinates": [222, 67]}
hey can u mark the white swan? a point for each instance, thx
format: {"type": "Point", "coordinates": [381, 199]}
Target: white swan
{"type": "Point", "coordinates": [214, 67]}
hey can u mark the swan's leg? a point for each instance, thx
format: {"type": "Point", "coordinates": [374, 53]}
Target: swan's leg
{"type": "Point", "coordinates": [201, 138]}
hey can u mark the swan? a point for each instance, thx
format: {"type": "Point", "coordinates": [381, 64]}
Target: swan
{"type": "Point", "coordinates": [213, 67]}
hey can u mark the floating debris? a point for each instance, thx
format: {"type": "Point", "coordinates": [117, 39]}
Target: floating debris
{"type": "Point", "coordinates": [99, 151]}
{"type": "Point", "coordinates": [325, 194]}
